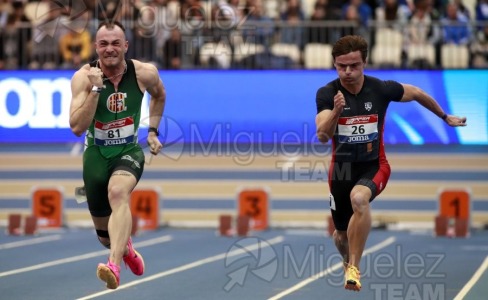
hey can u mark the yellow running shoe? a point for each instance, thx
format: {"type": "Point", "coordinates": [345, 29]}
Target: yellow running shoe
{"type": "Point", "coordinates": [352, 279]}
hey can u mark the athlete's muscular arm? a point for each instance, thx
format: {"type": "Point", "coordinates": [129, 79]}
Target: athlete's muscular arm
{"type": "Point", "coordinates": [326, 120]}
{"type": "Point", "coordinates": [415, 93]}
{"type": "Point", "coordinates": [148, 79]}
{"type": "Point", "coordinates": [84, 101]}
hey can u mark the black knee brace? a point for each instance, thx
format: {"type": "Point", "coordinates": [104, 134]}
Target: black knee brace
{"type": "Point", "coordinates": [103, 234]}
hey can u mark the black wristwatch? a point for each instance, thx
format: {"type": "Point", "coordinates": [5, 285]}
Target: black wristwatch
{"type": "Point", "coordinates": [153, 129]}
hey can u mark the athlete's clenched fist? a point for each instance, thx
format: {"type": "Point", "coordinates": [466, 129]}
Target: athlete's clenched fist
{"type": "Point", "coordinates": [339, 101]}
{"type": "Point", "coordinates": [95, 77]}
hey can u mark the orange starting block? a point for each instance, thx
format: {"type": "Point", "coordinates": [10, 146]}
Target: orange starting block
{"type": "Point", "coordinates": [461, 228]}
{"type": "Point", "coordinates": [225, 225]}
{"type": "Point", "coordinates": [243, 224]}
{"type": "Point", "coordinates": [240, 228]}
{"type": "Point", "coordinates": [454, 215]}
{"type": "Point", "coordinates": [30, 225]}
{"type": "Point", "coordinates": [14, 223]}
{"type": "Point", "coordinates": [145, 209]}
{"type": "Point", "coordinates": [135, 225]}
{"type": "Point", "coordinates": [441, 224]}
{"type": "Point", "coordinates": [17, 226]}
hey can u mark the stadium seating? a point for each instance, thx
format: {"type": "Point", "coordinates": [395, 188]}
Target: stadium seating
{"type": "Point", "coordinates": [386, 56]}
{"type": "Point", "coordinates": [454, 56]}
{"type": "Point", "coordinates": [421, 54]}
{"type": "Point", "coordinates": [216, 53]}
{"type": "Point", "coordinates": [388, 37]}
{"type": "Point", "coordinates": [318, 56]}
{"type": "Point", "coordinates": [290, 50]}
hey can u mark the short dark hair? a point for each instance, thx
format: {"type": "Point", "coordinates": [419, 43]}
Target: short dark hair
{"type": "Point", "coordinates": [111, 25]}
{"type": "Point", "coordinates": [350, 43]}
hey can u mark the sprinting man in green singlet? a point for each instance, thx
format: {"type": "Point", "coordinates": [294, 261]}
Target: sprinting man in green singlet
{"type": "Point", "coordinates": [106, 105]}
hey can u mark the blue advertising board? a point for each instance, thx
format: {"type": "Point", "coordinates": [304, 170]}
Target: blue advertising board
{"type": "Point", "coordinates": [248, 106]}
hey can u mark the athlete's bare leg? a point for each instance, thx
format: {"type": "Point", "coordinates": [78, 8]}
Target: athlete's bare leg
{"type": "Point", "coordinates": [359, 224]}
{"type": "Point", "coordinates": [342, 245]}
{"type": "Point", "coordinates": [120, 186]}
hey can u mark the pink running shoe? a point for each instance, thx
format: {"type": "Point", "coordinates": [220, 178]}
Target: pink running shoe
{"type": "Point", "coordinates": [134, 260]}
{"type": "Point", "coordinates": [110, 274]}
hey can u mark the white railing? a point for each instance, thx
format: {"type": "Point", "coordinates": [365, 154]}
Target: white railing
{"type": "Point", "coordinates": [250, 45]}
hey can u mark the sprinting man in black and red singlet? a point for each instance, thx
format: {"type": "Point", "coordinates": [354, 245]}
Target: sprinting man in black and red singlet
{"type": "Point", "coordinates": [351, 112]}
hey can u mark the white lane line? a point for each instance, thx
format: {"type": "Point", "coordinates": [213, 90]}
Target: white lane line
{"type": "Point", "coordinates": [30, 242]}
{"type": "Point", "coordinates": [188, 266]}
{"type": "Point", "coordinates": [48, 264]}
{"type": "Point", "coordinates": [331, 269]}
{"type": "Point", "coordinates": [476, 276]}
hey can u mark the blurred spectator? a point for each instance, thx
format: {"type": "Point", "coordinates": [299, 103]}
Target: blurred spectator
{"type": "Point", "coordinates": [258, 27]}
{"type": "Point", "coordinates": [75, 45]}
{"type": "Point", "coordinates": [351, 14]}
{"type": "Point", "coordinates": [5, 11]}
{"type": "Point", "coordinates": [392, 14]}
{"type": "Point", "coordinates": [192, 17]}
{"type": "Point", "coordinates": [292, 31]}
{"type": "Point", "coordinates": [144, 37]}
{"type": "Point", "coordinates": [128, 15]}
{"type": "Point", "coordinates": [230, 10]}
{"type": "Point", "coordinates": [356, 27]}
{"type": "Point", "coordinates": [362, 12]}
{"type": "Point", "coordinates": [318, 33]}
{"type": "Point", "coordinates": [15, 39]}
{"type": "Point", "coordinates": [172, 51]}
{"type": "Point", "coordinates": [479, 49]}
{"type": "Point", "coordinates": [421, 28]}
{"type": "Point", "coordinates": [455, 26]}
{"type": "Point", "coordinates": [226, 17]}
{"type": "Point", "coordinates": [164, 22]}
{"type": "Point", "coordinates": [462, 9]}
{"type": "Point", "coordinates": [47, 31]}
{"type": "Point", "coordinates": [334, 10]}
{"type": "Point", "coordinates": [481, 12]}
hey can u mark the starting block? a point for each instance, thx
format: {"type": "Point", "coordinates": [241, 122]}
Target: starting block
{"type": "Point", "coordinates": [225, 225]}
{"type": "Point", "coordinates": [145, 206]}
{"type": "Point", "coordinates": [453, 219]}
{"type": "Point", "coordinates": [14, 223]}
{"type": "Point", "coordinates": [461, 228]}
{"type": "Point", "coordinates": [451, 227]}
{"type": "Point", "coordinates": [441, 224]}
{"type": "Point", "coordinates": [17, 227]}
{"type": "Point", "coordinates": [30, 225]}
{"type": "Point", "coordinates": [135, 225]}
{"type": "Point", "coordinates": [330, 226]}
{"type": "Point", "coordinates": [243, 224]}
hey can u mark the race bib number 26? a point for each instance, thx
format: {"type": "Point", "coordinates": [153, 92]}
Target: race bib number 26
{"type": "Point", "coordinates": [358, 129]}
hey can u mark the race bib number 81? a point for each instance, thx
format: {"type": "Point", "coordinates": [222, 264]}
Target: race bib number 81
{"type": "Point", "coordinates": [358, 129]}
{"type": "Point", "coordinates": [118, 132]}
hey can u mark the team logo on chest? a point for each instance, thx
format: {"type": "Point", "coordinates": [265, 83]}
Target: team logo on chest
{"type": "Point", "coordinates": [368, 106]}
{"type": "Point", "coordinates": [116, 102]}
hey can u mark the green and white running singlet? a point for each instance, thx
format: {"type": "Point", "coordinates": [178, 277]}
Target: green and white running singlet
{"type": "Point", "coordinates": [116, 120]}
{"type": "Point", "coordinates": [111, 140]}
